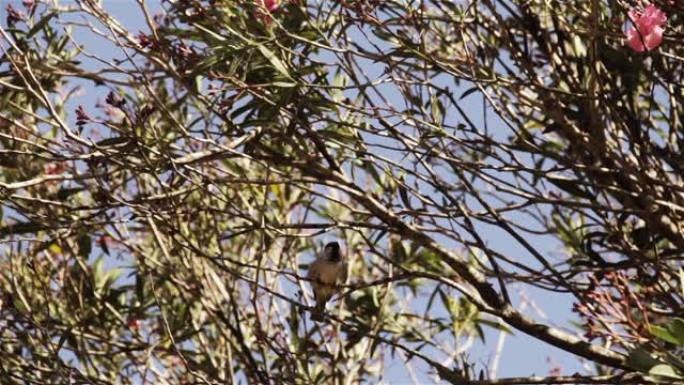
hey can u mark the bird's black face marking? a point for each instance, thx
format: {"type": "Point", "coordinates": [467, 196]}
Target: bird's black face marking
{"type": "Point", "coordinates": [332, 252]}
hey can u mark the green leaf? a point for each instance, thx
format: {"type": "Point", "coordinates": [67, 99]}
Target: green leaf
{"type": "Point", "coordinates": [663, 334]}
{"type": "Point", "coordinates": [339, 82]}
{"type": "Point", "coordinates": [449, 303]}
{"type": "Point", "coordinates": [641, 360]}
{"type": "Point", "coordinates": [430, 261]}
{"type": "Point", "coordinates": [84, 245]}
{"type": "Point", "coordinates": [273, 58]}
{"type": "Point", "coordinates": [664, 370]}
{"type": "Point", "coordinates": [431, 299]}
{"type": "Point", "coordinates": [570, 186]}
{"type": "Point", "coordinates": [98, 270]}
{"type": "Point", "coordinates": [283, 84]}
{"type": "Point", "coordinates": [403, 194]}
{"type": "Point", "coordinates": [468, 92]}
{"type": "Point", "coordinates": [39, 25]}
{"type": "Point", "coordinates": [113, 141]}
{"type": "Point", "coordinates": [111, 276]}
{"type": "Point", "coordinates": [64, 193]}
{"type": "Point", "coordinates": [22, 228]}
{"type": "Point", "coordinates": [198, 84]}
{"type": "Point", "coordinates": [496, 325]}
{"type": "Point", "coordinates": [370, 168]}
{"type": "Point", "coordinates": [579, 48]}
{"type": "Point", "coordinates": [437, 109]}
{"type": "Point", "coordinates": [676, 328]}
{"type": "Point", "coordinates": [210, 32]}
{"type": "Point", "coordinates": [374, 297]}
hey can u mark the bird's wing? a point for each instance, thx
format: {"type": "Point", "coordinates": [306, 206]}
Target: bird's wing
{"type": "Point", "coordinates": [314, 270]}
{"type": "Point", "coordinates": [345, 273]}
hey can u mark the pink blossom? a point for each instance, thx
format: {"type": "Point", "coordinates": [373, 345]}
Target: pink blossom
{"type": "Point", "coordinates": [81, 116]}
{"type": "Point", "coordinates": [54, 168]}
{"type": "Point", "coordinates": [648, 33]}
{"type": "Point", "coordinates": [134, 324]}
{"type": "Point", "coordinates": [271, 5]}
{"type": "Point", "coordinates": [29, 4]}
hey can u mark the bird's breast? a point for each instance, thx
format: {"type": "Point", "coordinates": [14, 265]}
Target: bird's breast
{"type": "Point", "coordinates": [329, 273]}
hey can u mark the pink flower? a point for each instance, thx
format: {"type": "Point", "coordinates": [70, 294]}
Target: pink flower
{"type": "Point", "coordinates": [648, 33]}
{"type": "Point", "coordinates": [54, 168]}
{"type": "Point", "coordinates": [271, 5]}
{"type": "Point", "coordinates": [133, 324]}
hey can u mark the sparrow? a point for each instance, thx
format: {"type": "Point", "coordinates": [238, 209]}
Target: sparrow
{"type": "Point", "coordinates": [326, 274]}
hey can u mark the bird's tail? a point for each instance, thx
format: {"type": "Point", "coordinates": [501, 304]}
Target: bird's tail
{"type": "Point", "coordinates": [317, 312]}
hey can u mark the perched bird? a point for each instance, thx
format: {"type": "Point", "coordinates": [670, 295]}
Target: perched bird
{"type": "Point", "coordinates": [326, 273]}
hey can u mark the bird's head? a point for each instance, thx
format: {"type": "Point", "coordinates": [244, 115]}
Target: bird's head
{"type": "Point", "coordinates": [331, 252]}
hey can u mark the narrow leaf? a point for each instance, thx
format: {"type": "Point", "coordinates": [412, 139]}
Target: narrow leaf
{"type": "Point", "coordinates": [277, 63]}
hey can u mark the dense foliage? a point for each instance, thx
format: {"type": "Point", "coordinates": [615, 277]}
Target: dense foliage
{"type": "Point", "coordinates": [164, 188]}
